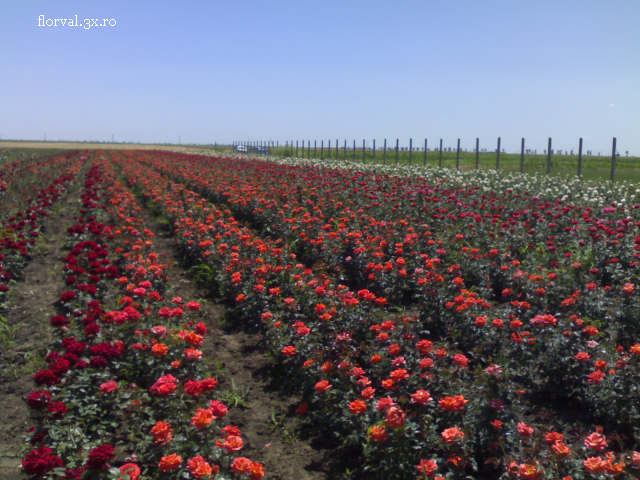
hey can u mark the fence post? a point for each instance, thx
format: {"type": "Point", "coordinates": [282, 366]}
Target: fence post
{"type": "Point", "coordinates": [425, 153]}
{"type": "Point", "coordinates": [522, 156]}
{"type": "Point", "coordinates": [440, 161]}
{"type": "Point", "coordinates": [329, 149]}
{"type": "Point", "coordinates": [410, 149]}
{"type": "Point", "coordinates": [364, 158]}
{"type": "Point", "coordinates": [321, 149]}
{"type": "Point", "coordinates": [374, 151]}
{"type": "Point", "coordinates": [344, 149]}
{"type": "Point", "coordinates": [458, 156]}
{"type": "Point", "coordinates": [580, 158]}
{"type": "Point", "coordinates": [549, 157]}
{"type": "Point", "coordinates": [354, 150]}
{"type": "Point", "coordinates": [384, 157]}
{"type": "Point", "coordinates": [477, 153]}
{"type": "Point", "coordinates": [397, 143]}
{"type": "Point", "coordinates": [498, 155]}
{"type": "Point", "coordinates": [296, 148]}
{"type": "Point", "coordinates": [613, 158]}
{"type": "Point", "coordinates": [336, 149]}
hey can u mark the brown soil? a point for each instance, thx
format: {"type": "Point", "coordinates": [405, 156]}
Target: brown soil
{"type": "Point", "coordinates": [30, 309]}
{"type": "Point", "coordinates": [244, 365]}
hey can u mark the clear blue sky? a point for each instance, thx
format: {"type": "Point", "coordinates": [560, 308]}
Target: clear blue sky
{"type": "Point", "coordinates": [215, 70]}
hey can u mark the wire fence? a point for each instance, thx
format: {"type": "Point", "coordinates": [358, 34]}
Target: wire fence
{"type": "Point", "coordinates": [583, 164]}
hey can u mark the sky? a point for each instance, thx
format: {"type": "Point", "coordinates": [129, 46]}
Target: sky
{"type": "Point", "coordinates": [205, 71]}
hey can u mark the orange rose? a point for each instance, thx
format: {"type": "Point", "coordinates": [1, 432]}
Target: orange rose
{"type": "Point", "coordinates": [194, 339]}
{"type": "Point", "coordinates": [198, 467]}
{"type": "Point", "coordinates": [394, 418]}
{"type": "Point", "coordinates": [202, 418]}
{"type": "Point", "coordinates": [427, 467]}
{"type": "Point", "coordinates": [191, 354]}
{"type": "Point", "coordinates": [452, 404]}
{"type": "Point", "coordinates": [561, 450]}
{"type": "Point", "coordinates": [594, 465]}
{"type": "Point", "coordinates": [161, 432]}
{"type": "Point", "coordinates": [357, 406]}
{"type": "Point", "coordinates": [421, 397]}
{"type": "Point", "coordinates": [170, 462]}
{"type": "Point", "coordinates": [378, 433]}
{"type": "Point", "coordinates": [596, 441]}
{"type": "Point", "coordinates": [233, 443]}
{"type": "Point", "coordinates": [255, 471]}
{"type": "Point", "coordinates": [529, 470]}
{"type": "Point", "coordinates": [159, 350]}
{"type": "Point", "coordinates": [322, 386]}
{"type": "Point", "coordinates": [241, 465]}
{"type": "Point", "coordinates": [450, 435]}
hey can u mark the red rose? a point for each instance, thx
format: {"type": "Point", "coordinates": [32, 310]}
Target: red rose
{"type": "Point", "coordinates": [40, 461]}
{"type": "Point", "coordinates": [108, 387]}
{"type": "Point", "coordinates": [37, 400]}
{"type": "Point", "coordinates": [45, 377]}
{"type": "Point", "coordinates": [99, 456]}
{"type": "Point", "coordinates": [57, 409]}
{"type": "Point", "coordinates": [130, 469]}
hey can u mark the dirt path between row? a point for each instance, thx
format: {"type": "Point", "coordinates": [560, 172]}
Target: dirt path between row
{"type": "Point", "coordinates": [242, 365]}
{"type": "Point", "coordinates": [27, 318]}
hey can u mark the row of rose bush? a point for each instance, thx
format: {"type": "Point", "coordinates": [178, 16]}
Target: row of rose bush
{"type": "Point", "coordinates": [39, 186]}
{"type": "Point", "coordinates": [125, 377]}
{"type": "Point", "coordinates": [319, 326]}
{"type": "Point", "coordinates": [429, 268]}
{"type": "Point", "coordinates": [597, 317]}
{"type": "Point", "coordinates": [487, 239]}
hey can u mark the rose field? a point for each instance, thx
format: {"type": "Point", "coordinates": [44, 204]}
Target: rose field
{"type": "Point", "coordinates": [168, 315]}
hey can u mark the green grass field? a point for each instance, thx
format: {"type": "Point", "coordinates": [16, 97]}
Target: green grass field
{"type": "Point", "coordinates": [593, 168]}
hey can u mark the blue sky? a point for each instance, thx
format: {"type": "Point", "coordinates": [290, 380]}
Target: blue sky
{"type": "Point", "coordinates": [224, 71]}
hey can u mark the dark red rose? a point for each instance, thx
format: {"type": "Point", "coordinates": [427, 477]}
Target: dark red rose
{"type": "Point", "coordinates": [40, 461]}
{"type": "Point", "coordinates": [45, 377]}
{"type": "Point", "coordinates": [52, 357]}
{"type": "Point", "coordinates": [72, 346]}
{"type": "Point", "coordinates": [73, 473]}
{"type": "Point", "coordinates": [81, 364]}
{"type": "Point", "coordinates": [67, 296]}
{"type": "Point", "coordinates": [92, 329]}
{"type": "Point", "coordinates": [60, 367]}
{"type": "Point", "coordinates": [98, 362]}
{"type": "Point", "coordinates": [37, 400]}
{"type": "Point", "coordinates": [59, 321]}
{"type": "Point", "coordinates": [99, 456]}
{"type": "Point", "coordinates": [57, 409]}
